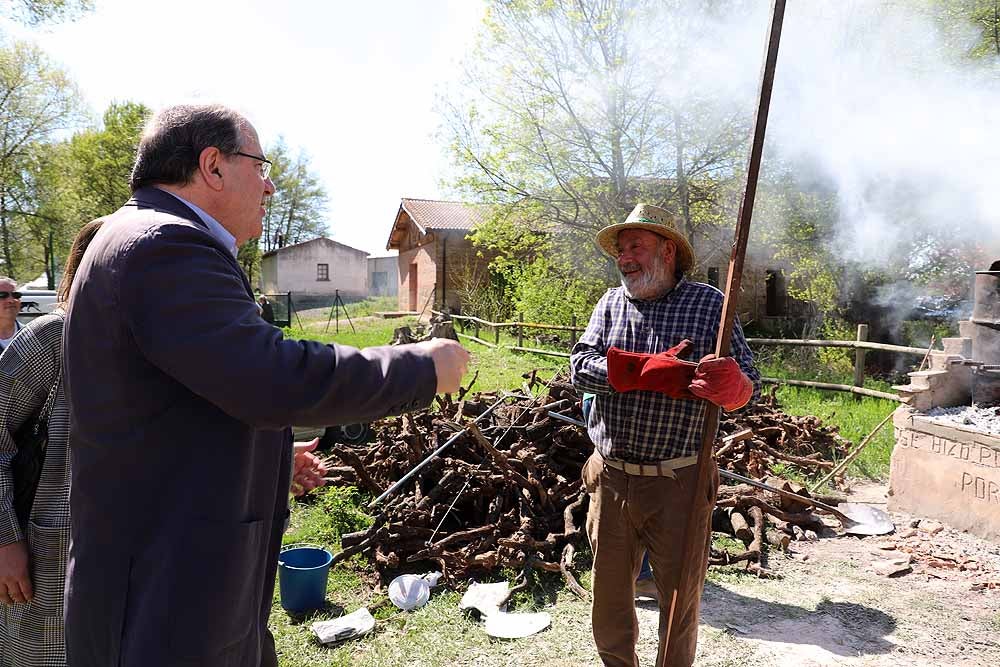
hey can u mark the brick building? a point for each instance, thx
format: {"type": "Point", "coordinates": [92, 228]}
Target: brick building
{"type": "Point", "coordinates": [435, 257]}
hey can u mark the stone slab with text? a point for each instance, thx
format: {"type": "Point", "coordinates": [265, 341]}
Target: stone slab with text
{"type": "Point", "coordinates": [946, 472]}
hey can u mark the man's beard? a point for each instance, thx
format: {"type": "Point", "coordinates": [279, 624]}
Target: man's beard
{"type": "Point", "coordinates": [650, 283]}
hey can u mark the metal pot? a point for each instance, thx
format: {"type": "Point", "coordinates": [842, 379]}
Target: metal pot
{"type": "Point", "coordinates": [986, 315]}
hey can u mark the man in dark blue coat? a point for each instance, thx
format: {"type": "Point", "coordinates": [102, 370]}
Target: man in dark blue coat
{"type": "Point", "coordinates": [181, 399]}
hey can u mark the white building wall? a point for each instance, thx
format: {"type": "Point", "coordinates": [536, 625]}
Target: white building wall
{"type": "Point", "coordinates": [297, 269]}
{"type": "Point", "coordinates": [383, 276]}
{"type": "Point", "coordinates": [269, 275]}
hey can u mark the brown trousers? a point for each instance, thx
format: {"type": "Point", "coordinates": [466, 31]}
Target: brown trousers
{"type": "Point", "coordinates": [629, 514]}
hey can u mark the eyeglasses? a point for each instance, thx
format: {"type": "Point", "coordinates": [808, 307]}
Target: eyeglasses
{"type": "Point", "coordinates": [265, 165]}
{"type": "Point", "coordinates": [13, 295]}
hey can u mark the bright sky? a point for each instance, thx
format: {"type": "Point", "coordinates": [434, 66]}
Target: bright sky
{"type": "Point", "coordinates": [352, 83]}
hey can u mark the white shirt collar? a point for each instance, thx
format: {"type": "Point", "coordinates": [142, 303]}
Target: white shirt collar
{"type": "Point", "coordinates": [215, 228]}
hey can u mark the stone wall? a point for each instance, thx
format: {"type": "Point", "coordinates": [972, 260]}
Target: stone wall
{"type": "Point", "coordinates": [947, 473]}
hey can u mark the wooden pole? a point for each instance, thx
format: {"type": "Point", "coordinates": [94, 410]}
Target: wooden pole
{"type": "Point", "coordinates": [859, 360]}
{"type": "Point", "coordinates": [693, 541]}
{"type": "Point", "coordinates": [520, 330]}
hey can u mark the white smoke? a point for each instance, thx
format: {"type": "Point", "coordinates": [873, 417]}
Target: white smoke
{"type": "Point", "coordinates": [875, 100]}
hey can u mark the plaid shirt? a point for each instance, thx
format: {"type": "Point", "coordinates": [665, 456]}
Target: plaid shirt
{"type": "Point", "coordinates": [643, 426]}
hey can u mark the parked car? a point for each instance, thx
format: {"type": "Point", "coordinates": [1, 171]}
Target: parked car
{"type": "Point", "coordinates": [348, 434]}
{"type": "Point", "coordinates": [35, 303]}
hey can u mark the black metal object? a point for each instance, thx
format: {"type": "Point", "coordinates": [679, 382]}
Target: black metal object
{"type": "Point", "coordinates": [338, 303]}
{"type": "Point", "coordinates": [281, 304]}
{"type": "Point", "coordinates": [986, 315]}
{"type": "Point", "coordinates": [348, 434]}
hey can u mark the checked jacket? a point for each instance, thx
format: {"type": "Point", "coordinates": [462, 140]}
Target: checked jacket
{"type": "Point", "coordinates": [31, 633]}
{"type": "Point", "coordinates": [645, 426]}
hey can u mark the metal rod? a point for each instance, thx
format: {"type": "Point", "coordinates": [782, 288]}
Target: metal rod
{"type": "Point", "coordinates": [785, 494]}
{"type": "Point", "coordinates": [568, 420]}
{"type": "Point", "coordinates": [692, 542]}
{"type": "Point", "coordinates": [437, 452]}
{"type": "Point", "coordinates": [853, 455]}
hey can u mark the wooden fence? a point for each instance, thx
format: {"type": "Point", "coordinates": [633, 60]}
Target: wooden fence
{"type": "Point", "coordinates": [860, 345]}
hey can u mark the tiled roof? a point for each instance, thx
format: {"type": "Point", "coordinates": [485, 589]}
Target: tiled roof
{"type": "Point", "coordinates": [431, 214]}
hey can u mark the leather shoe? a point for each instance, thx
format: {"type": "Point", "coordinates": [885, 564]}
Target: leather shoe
{"type": "Point", "coordinates": [646, 588]}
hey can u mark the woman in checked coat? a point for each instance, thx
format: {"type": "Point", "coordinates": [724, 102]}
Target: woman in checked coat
{"type": "Point", "coordinates": [34, 549]}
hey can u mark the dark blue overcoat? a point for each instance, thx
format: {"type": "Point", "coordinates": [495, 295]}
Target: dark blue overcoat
{"type": "Point", "coordinates": [181, 397]}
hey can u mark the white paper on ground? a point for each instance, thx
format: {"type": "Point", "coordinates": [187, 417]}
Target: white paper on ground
{"type": "Point", "coordinates": [352, 625]}
{"type": "Point", "coordinates": [485, 598]}
{"type": "Point", "coordinates": [515, 626]}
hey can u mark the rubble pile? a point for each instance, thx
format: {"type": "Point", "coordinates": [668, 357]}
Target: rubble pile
{"type": "Point", "coordinates": [507, 492]}
{"type": "Point", "coordinates": [928, 548]}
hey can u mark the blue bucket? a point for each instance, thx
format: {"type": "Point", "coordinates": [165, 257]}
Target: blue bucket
{"type": "Point", "coordinates": [302, 573]}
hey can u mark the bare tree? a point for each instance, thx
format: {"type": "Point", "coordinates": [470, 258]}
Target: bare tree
{"type": "Point", "coordinates": [571, 122]}
{"type": "Point", "coordinates": [38, 12]}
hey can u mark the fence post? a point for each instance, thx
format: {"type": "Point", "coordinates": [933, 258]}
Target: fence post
{"type": "Point", "coordinates": [520, 329]}
{"type": "Point", "coordinates": [859, 360]}
{"type": "Point", "coordinates": [477, 328]}
{"type": "Point", "coordinates": [572, 334]}
{"type": "Point", "coordinates": [496, 334]}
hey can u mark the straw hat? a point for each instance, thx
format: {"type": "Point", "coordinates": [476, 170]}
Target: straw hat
{"type": "Point", "coordinates": [653, 219]}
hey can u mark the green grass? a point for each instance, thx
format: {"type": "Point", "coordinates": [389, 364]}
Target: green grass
{"type": "Point", "coordinates": [366, 333]}
{"type": "Point", "coordinates": [855, 416]}
{"type": "Point", "coordinates": [498, 369]}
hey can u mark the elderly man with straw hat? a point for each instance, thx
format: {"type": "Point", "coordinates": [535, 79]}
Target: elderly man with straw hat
{"type": "Point", "coordinates": [646, 424]}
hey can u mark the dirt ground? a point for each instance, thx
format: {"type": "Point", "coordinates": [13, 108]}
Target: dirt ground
{"type": "Point", "coordinates": [831, 607]}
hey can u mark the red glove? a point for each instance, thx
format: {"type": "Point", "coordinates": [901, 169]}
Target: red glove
{"type": "Point", "coordinates": [722, 382]}
{"type": "Point", "coordinates": [664, 372]}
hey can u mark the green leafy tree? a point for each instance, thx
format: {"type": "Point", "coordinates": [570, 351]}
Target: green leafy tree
{"type": "Point", "coordinates": [37, 99]}
{"type": "Point", "coordinates": [101, 160]}
{"type": "Point", "coordinates": [955, 16]}
{"type": "Point", "coordinates": [71, 182]}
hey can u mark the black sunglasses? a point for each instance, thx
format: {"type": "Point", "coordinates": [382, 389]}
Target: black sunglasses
{"type": "Point", "coordinates": [13, 295]}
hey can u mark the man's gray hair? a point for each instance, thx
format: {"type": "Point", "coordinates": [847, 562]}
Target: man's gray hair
{"type": "Point", "coordinates": [173, 140]}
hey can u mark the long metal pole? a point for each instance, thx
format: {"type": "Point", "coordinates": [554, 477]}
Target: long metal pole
{"type": "Point", "coordinates": [693, 541]}
{"type": "Point", "coordinates": [436, 453]}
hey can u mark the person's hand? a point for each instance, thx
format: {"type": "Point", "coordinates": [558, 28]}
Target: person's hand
{"type": "Point", "coordinates": [15, 582]}
{"type": "Point", "coordinates": [308, 471]}
{"type": "Point", "coordinates": [722, 382]}
{"type": "Point", "coordinates": [451, 361]}
{"type": "Point", "coordinates": [665, 372]}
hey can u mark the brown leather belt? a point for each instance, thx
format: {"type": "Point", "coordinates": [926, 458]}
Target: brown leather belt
{"type": "Point", "coordinates": [663, 468]}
